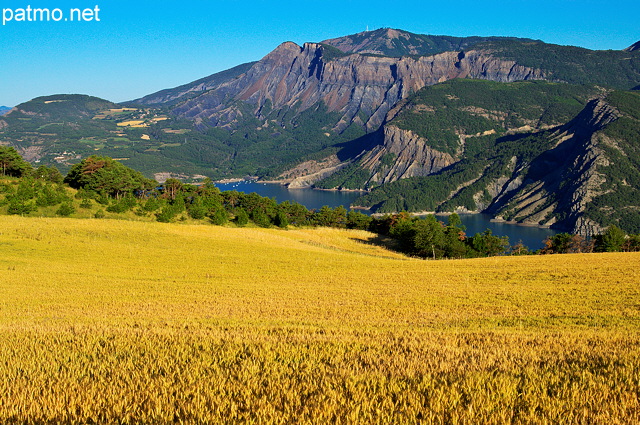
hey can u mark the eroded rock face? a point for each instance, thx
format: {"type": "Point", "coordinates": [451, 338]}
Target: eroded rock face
{"type": "Point", "coordinates": [402, 154]}
{"type": "Point", "coordinates": [569, 178]}
{"type": "Point", "coordinates": [354, 85]}
{"type": "Point", "coordinates": [307, 173]}
{"type": "Point", "coordinates": [408, 155]}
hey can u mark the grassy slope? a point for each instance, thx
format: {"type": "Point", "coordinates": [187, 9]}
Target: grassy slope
{"type": "Point", "coordinates": [119, 321]}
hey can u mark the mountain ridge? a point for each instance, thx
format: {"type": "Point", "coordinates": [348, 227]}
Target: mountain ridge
{"type": "Point", "coordinates": [397, 43]}
{"type": "Point", "coordinates": [338, 114]}
{"type": "Point", "coordinates": [182, 92]}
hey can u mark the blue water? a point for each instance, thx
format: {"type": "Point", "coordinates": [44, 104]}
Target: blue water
{"type": "Point", "coordinates": [316, 199]}
{"type": "Point", "coordinates": [310, 198]}
{"type": "Point", "coordinates": [531, 237]}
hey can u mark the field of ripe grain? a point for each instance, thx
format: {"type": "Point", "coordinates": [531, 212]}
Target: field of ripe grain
{"type": "Point", "coordinates": [105, 321]}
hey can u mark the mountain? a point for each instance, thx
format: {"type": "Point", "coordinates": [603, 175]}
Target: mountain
{"type": "Point", "coordinates": [361, 76]}
{"type": "Point", "coordinates": [387, 111]}
{"type": "Point", "coordinates": [4, 110]}
{"type": "Point", "coordinates": [360, 88]}
{"type": "Point", "coordinates": [578, 176]}
{"type": "Point", "coordinates": [299, 103]}
{"type": "Point", "coordinates": [177, 94]}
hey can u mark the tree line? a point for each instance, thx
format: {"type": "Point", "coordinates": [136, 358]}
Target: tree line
{"type": "Point", "coordinates": [109, 186]}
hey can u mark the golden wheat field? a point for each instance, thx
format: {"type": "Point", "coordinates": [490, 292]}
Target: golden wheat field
{"type": "Point", "coordinates": [106, 321]}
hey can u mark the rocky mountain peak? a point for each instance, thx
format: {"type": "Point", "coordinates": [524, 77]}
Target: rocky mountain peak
{"type": "Point", "coordinates": [287, 46]}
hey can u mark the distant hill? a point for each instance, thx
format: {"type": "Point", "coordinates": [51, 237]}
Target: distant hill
{"type": "Point", "coordinates": [61, 129]}
{"type": "Point", "coordinates": [62, 106]}
{"type": "Point", "coordinates": [4, 110]}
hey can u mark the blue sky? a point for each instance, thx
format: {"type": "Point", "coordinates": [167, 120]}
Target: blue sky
{"type": "Point", "coordinates": [139, 47]}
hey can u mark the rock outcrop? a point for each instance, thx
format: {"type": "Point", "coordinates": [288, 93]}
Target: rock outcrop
{"type": "Point", "coordinates": [355, 86]}
{"type": "Point", "coordinates": [409, 155]}
{"type": "Point", "coordinates": [562, 181]}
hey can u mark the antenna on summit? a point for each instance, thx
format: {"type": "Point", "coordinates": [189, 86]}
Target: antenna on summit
{"type": "Point", "coordinates": [367, 28]}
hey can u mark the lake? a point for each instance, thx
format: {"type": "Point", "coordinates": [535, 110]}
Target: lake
{"type": "Point", "coordinates": [316, 199]}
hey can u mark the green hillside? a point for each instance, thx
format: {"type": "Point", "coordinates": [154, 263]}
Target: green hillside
{"type": "Point", "coordinates": [442, 112]}
{"type": "Point", "coordinates": [569, 64]}
{"type": "Point", "coordinates": [61, 129]}
{"type": "Point", "coordinates": [620, 201]}
{"type": "Point", "coordinates": [548, 166]}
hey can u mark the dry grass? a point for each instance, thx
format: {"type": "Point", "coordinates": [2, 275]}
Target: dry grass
{"type": "Point", "coordinates": [119, 322]}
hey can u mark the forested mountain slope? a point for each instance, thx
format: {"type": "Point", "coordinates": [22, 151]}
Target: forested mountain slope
{"type": "Point", "coordinates": [578, 176]}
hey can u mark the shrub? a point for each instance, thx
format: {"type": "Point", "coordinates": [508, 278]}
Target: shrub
{"type": "Point", "coordinates": [65, 210]}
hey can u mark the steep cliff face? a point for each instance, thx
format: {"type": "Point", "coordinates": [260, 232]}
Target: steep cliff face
{"type": "Point", "coordinates": [360, 88]}
{"type": "Point", "coordinates": [403, 154]}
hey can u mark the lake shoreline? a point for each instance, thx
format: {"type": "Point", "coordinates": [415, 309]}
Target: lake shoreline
{"type": "Point", "coordinates": [313, 199]}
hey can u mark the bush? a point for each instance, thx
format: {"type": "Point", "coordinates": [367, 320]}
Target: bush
{"type": "Point", "coordinates": [168, 213]}
{"type": "Point", "coordinates": [281, 220]}
{"type": "Point", "coordinates": [49, 197]}
{"type": "Point", "coordinates": [197, 209]}
{"type": "Point", "coordinates": [124, 204]}
{"type": "Point", "coordinates": [357, 220]}
{"type": "Point", "coordinates": [242, 218]}
{"type": "Point", "coordinates": [260, 218]}
{"type": "Point", "coordinates": [65, 210]}
{"type": "Point", "coordinates": [19, 207]}
{"type": "Point", "coordinates": [218, 216]}
{"type": "Point", "coordinates": [611, 240]}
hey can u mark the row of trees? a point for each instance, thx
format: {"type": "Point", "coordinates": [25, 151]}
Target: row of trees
{"type": "Point", "coordinates": [429, 238]}
{"type": "Point", "coordinates": [119, 189]}
{"type": "Point", "coordinates": [613, 239]}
